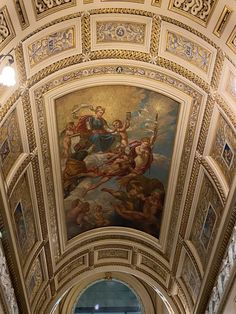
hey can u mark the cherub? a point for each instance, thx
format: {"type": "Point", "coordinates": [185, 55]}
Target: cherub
{"type": "Point", "coordinates": [68, 132]}
{"type": "Point", "coordinates": [78, 212]}
{"type": "Point", "coordinates": [100, 220]}
{"type": "Point", "coordinates": [120, 128]}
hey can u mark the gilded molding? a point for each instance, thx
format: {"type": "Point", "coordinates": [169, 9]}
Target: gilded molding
{"type": "Point", "coordinates": [155, 35]}
{"type": "Point", "coordinates": [222, 21]}
{"type": "Point", "coordinates": [217, 69]}
{"type": "Point", "coordinates": [181, 182]}
{"type": "Point", "coordinates": [205, 124]}
{"type": "Point", "coordinates": [20, 64]}
{"type": "Point", "coordinates": [21, 12]}
{"type": "Point", "coordinates": [86, 32]}
{"type": "Point", "coordinates": [29, 120]}
{"type": "Point", "coordinates": [39, 196]}
{"type": "Point", "coordinates": [231, 42]}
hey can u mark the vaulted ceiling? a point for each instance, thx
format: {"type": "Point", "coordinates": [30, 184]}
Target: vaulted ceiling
{"type": "Point", "coordinates": [145, 189]}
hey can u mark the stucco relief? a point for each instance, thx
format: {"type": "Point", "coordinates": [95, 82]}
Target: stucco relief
{"type": "Point", "coordinates": [191, 277]}
{"type": "Point", "coordinates": [6, 284]}
{"type": "Point", "coordinates": [35, 278]}
{"type": "Point", "coordinates": [223, 149]}
{"type": "Point", "coordinates": [207, 218]}
{"type": "Point", "coordinates": [199, 10]}
{"type": "Point", "coordinates": [188, 50]}
{"type": "Point", "coordinates": [231, 42]}
{"type": "Point", "coordinates": [23, 217]}
{"type": "Point", "coordinates": [44, 6]}
{"type": "Point", "coordinates": [111, 31]}
{"type": "Point", "coordinates": [21, 12]}
{"type": "Point", "coordinates": [50, 45]}
{"type": "Point", "coordinates": [6, 30]}
{"type": "Point", "coordinates": [10, 143]}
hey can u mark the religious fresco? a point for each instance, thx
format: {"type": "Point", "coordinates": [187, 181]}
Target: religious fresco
{"type": "Point", "coordinates": [10, 142]}
{"type": "Point", "coordinates": [208, 226]}
{"type": "Point", "coordinates": [191, 277]}
{"type": "Point", "coordinates": [206, 221]}
{"type": "Point", "coordinates": [115, 145]}
{"type": "Point", "coordinates": [23, 217]}
{"type": "Point", "coordinates": [35, 278]}
{"type": "Point", "coordinates": [224, 148]}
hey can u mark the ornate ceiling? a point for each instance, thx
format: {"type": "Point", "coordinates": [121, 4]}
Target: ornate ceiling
{"type": "Point", "coordinates": [145, 190]}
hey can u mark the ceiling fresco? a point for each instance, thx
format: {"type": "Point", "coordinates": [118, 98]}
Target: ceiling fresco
{"type": "Point", "coordinates": [115, 145]}
{"type": "Point", "coordinates": [118, 152]}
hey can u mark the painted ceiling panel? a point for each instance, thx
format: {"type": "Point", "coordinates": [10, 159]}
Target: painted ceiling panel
{"type": "Point", "coordinates": [117, 148]}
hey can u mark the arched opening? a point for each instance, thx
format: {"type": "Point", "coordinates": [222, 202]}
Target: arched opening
{"type": "Point", "coordinates": [108, 296]}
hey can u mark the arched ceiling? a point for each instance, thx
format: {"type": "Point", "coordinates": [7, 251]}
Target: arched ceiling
{"type": "Point", "coordinates": [79, 200]}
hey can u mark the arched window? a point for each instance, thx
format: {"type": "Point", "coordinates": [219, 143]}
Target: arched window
{"type": "Point", "coordinates": [110, 297]}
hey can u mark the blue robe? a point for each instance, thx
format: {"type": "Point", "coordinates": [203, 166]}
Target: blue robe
{"type": "Point", "coordinates": [102, 140]}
